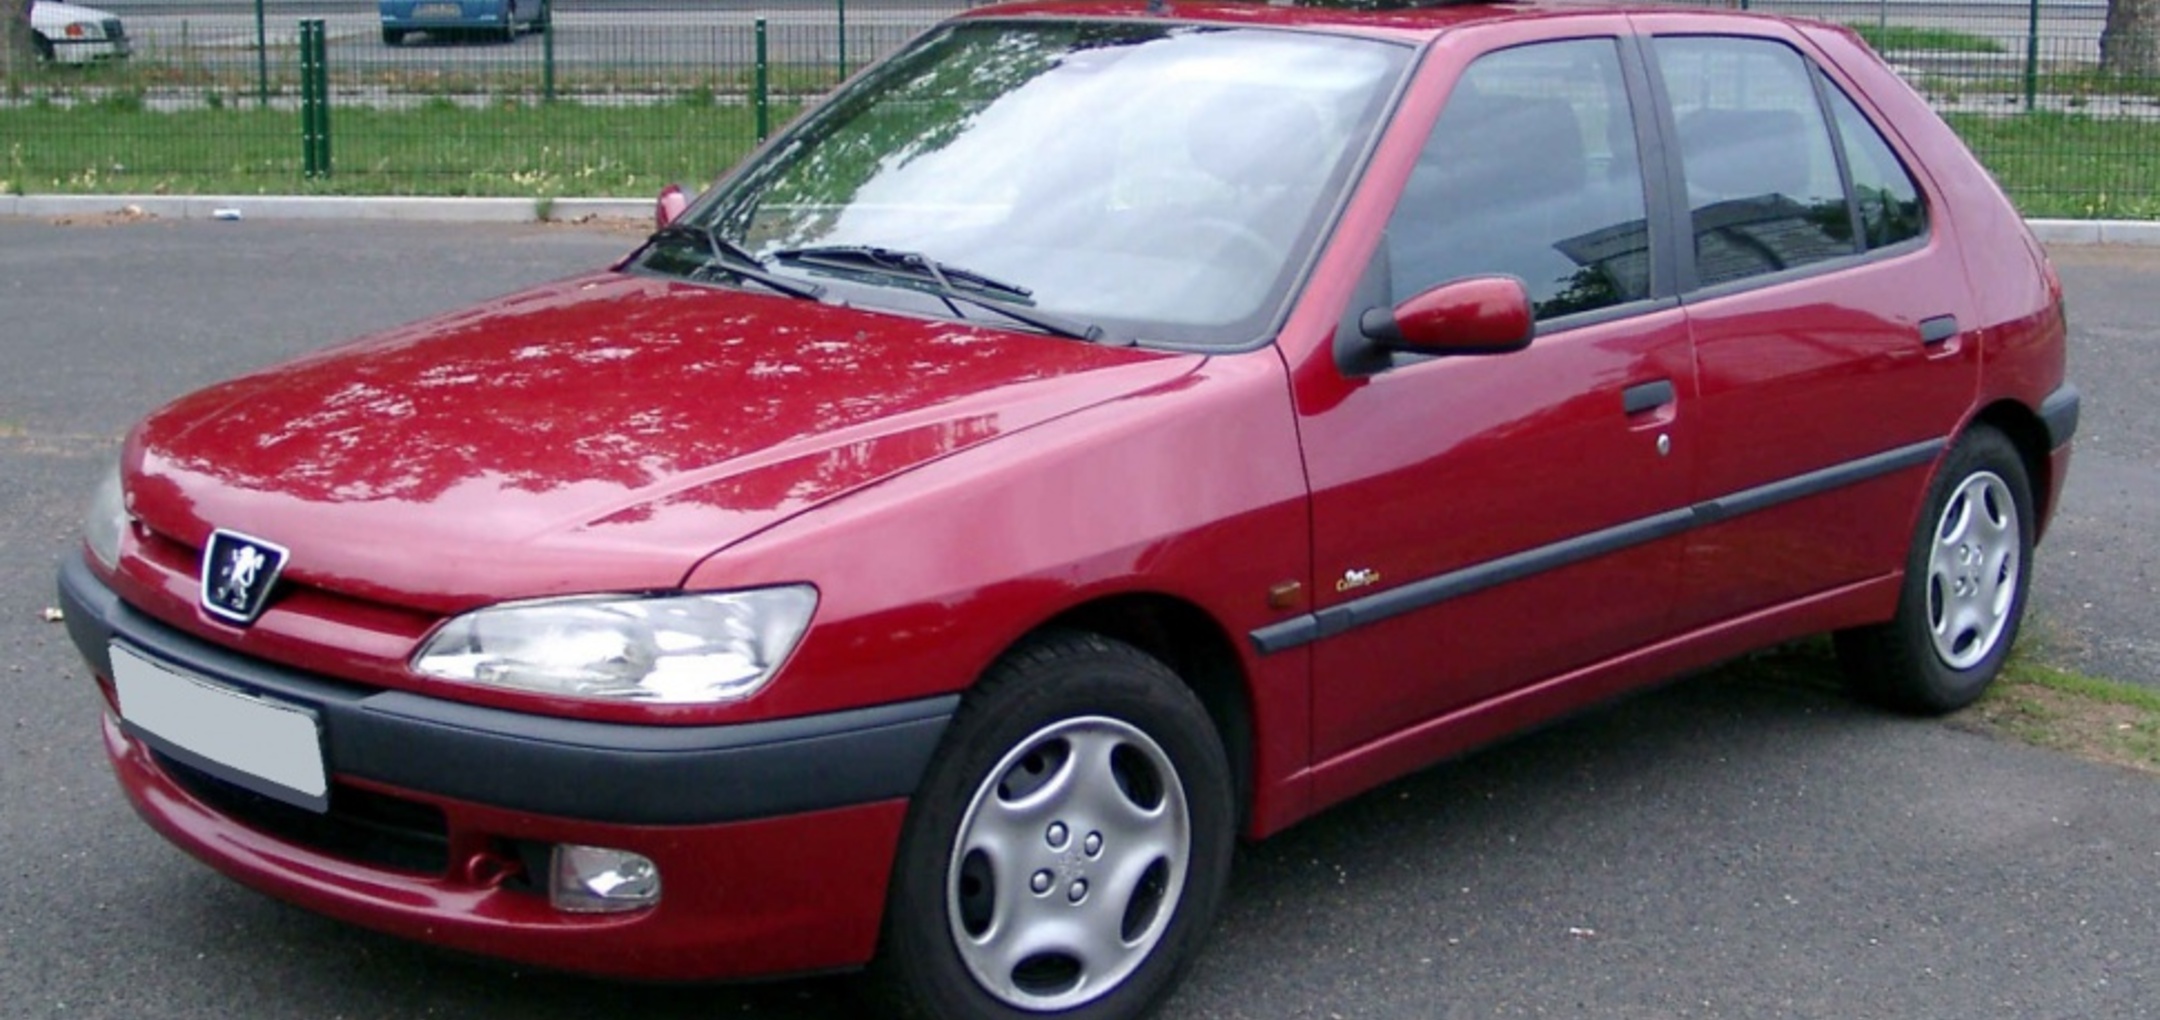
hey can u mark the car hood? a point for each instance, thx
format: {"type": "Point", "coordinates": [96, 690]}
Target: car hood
{"type": "Point", "coordinates": [603, 433]}
{"type": "Point", "coordinates": [42, 13]}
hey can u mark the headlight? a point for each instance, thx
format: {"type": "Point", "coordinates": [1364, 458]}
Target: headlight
{"type": "Point", "coordinates": [683, 649]}
{"type": "Point", "coordinates": [105, 520]}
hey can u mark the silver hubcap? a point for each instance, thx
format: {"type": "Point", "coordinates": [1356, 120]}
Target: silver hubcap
{"type": "Point", "coordinates": [1069, 864]}
{"type": "Point", "coordinates": [1973, 570]}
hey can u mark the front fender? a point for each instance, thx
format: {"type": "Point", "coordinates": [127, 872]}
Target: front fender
{"type": "Point", "coordinates": [1194, 489]}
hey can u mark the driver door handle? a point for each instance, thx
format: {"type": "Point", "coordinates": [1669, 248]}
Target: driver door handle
{"type": "Point", "coordinates": [1647, 396]}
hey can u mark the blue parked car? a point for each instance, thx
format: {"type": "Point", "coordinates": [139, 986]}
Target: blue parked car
{"type": "Point", "coordinates": [493, 19]}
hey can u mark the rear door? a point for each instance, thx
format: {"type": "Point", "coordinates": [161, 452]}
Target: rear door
{"type": "Point", "coordinates": [1829, 322]}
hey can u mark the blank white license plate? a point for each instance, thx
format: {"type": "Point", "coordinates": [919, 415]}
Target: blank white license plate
{"type": "Point", "coordinates": [266, 746]}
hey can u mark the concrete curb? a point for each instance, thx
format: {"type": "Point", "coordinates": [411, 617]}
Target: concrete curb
{"type": "Point", "coordinates": [305, 207]}
{"type": "Point", "coordinates": [2140, 233]}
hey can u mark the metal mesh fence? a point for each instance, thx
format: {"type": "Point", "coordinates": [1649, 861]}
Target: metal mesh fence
{"type": "Point", "coordinates": [2026, 87]}
{"type": "Point", "coordinates": [617, 97]}
{"type": "Point", "coordinates": [603, 98]}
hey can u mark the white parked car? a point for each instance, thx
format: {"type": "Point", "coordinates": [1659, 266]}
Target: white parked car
{"type": "Point", "coordinates": [71, 34]}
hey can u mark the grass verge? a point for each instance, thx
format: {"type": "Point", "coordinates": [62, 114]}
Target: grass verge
{"type": "Point", "coordinates": [1891, 38]}
{"type": "Point", "coordinates": [2068, 164]}
{"type": "Point", "coordinates": [2055, 164]}
{"type": "Point", "coordinates": [438, 148]}
{"type": "Point", "coordinates": [2092, 718]}
{"type": "Point", "coordinates": [2032, 702]}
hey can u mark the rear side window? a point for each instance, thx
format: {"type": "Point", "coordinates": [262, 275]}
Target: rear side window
{"type": "Point", "coordinates": [1531, 171]}
{"type": "Point", "coordinates": [1763, 189]}
{"type": "Point", "coordinates": [1888, 200]}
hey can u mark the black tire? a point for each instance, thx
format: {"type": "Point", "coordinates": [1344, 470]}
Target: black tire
{"type": "Point", "coordinates": [43, 46]}
{"type": "Point", "coordinates": [546, 20]}
{"type": "Point", "coordinates": [1058, 711]}
{"type": "Point", "coordinates": [1967, 573]}
{"type": "Point", "coordinates": [392, 36]}
{"type": "Point", "coordinates": [509, 25]}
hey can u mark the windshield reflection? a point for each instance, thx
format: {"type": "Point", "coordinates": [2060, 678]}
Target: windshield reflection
{"type": "Point", "coordinates": [1165, 181]}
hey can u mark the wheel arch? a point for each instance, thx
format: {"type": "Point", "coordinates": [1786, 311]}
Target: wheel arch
{"type": "Point", "coordinates": [1193, 645]}
{"type": "Point", "coordinates": [2023, 427]}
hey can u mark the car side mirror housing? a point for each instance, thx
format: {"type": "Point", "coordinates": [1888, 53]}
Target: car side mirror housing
{"type": "Point", "coordinates": [1474, 315]}
{"type": "Point", "coordinates": [669, 205]}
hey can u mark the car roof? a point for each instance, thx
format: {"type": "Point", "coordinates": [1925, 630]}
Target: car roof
{"type": "Point", "coordinates": [1395, 19]}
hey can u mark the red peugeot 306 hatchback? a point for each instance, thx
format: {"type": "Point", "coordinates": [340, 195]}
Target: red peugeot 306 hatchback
{"type": "Point", "coordinates": [1100, 431]}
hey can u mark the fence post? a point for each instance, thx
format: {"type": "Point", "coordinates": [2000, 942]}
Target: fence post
{"type": "Point", "coordinates": [2032, 58]}
{"type": "Point", "coordinates": [314, 100]}
{"type": "Point", "coordinates": [547, 53]}
{"type": "Point", "coordinates": [322, 97]}
{"type": "Point", "coordinates": [307, 102]}
{"type": "Point", "coordinates": [262, 58]}
{"type": "Point", "coordinates": [758, 86]}
{"type": "Point", "coordinates": [840, 9]}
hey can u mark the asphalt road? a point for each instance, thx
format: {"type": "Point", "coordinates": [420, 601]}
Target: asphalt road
{"type": "Point", "coordinates": [2098, 583]}
{"type": "Point", "coordinates": [1722, 848]}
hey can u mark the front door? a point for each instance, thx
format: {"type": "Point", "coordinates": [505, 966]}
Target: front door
{"type": "Point", "coordinates": [1485, 522]}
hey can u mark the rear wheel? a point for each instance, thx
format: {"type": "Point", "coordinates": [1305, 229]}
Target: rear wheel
{"type": "Point", "coordinates": [43, 46]}
{"type": "Point", "coordinates": [392, 36]}
{"type": "Point", "coordinates": [509, 25]}
{"type": "Point", "coordinates": [1966, 577]}
{"type": "Point", "coordinates": [1069, 846]}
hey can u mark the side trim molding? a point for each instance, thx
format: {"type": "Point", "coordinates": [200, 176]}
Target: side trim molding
{"type": "Point", "coordinates": [1326, 623]}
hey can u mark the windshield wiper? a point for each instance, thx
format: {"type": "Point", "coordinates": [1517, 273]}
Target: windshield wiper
{"type": "Point", "coordinates": [951, 283]}
{"type": "Point", "coordinates": [734, 259]}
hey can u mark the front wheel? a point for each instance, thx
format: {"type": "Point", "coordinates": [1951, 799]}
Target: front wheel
{"type": "Point", "coordinates": [43, 47]}
{"type": "Point", "coordinates": [1069, 845]}
{"type": "Point", "coordinates": [1966, 577]}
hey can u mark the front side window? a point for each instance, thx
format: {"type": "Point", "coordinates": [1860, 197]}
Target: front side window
{"type": "Point", "coordinates": [1160, 181]}
{"type": "Point", "coordinates": [1530, 171]}
{"type": "Point", "coordinates": [1763, 189]}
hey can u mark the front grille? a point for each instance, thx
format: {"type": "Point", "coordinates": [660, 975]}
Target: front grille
{"type": "Point", "coordinates": [114, 30]}
{"type": "Point", "coordinates": [361, 825]}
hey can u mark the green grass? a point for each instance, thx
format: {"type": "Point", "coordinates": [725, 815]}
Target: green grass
{"type": "Point", "coordinates": [2032, 702]}
{"type": "Point", "coordinates": [97, 135]}
{"type": "Point", "coordinates": [2056, 164]}
{"type": "Point", "coordinates": [2048, 706]}
{"type": "Point", "coordinates": [1889, 38]}
{"type": "Point", "coordinates": [436, 149]}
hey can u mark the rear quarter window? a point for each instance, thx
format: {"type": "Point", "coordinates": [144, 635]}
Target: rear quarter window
{"type": "Point", "coordinates": [1891, 211]}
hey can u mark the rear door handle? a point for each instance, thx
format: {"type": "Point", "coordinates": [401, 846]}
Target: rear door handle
{"type": "Point", "coordinates": [1647, 396]}
{"type": "Point", "coordinates": [1938, 329]}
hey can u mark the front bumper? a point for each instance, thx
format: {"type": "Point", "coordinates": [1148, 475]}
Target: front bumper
{"type": "Point", "coordinates": [774, 840]}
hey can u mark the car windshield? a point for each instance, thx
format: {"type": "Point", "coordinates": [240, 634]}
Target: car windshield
{"type": "Point", "coordinates": [1161, 182]}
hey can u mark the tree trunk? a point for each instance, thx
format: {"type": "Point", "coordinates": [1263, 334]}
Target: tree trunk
{"type": "Point", "coordinates": [17, 55]}
{"type": "Point", "coordinates": [2130, 43]}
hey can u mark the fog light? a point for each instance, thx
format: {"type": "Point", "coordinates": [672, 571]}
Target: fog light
{"type": "Point", "coordinates": [597, 880]}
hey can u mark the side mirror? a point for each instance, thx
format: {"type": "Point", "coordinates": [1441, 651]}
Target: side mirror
{"type": "Point", "coordinates": [671, 204]}
{"type": "Point", "coordinates": [1475, 315]}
